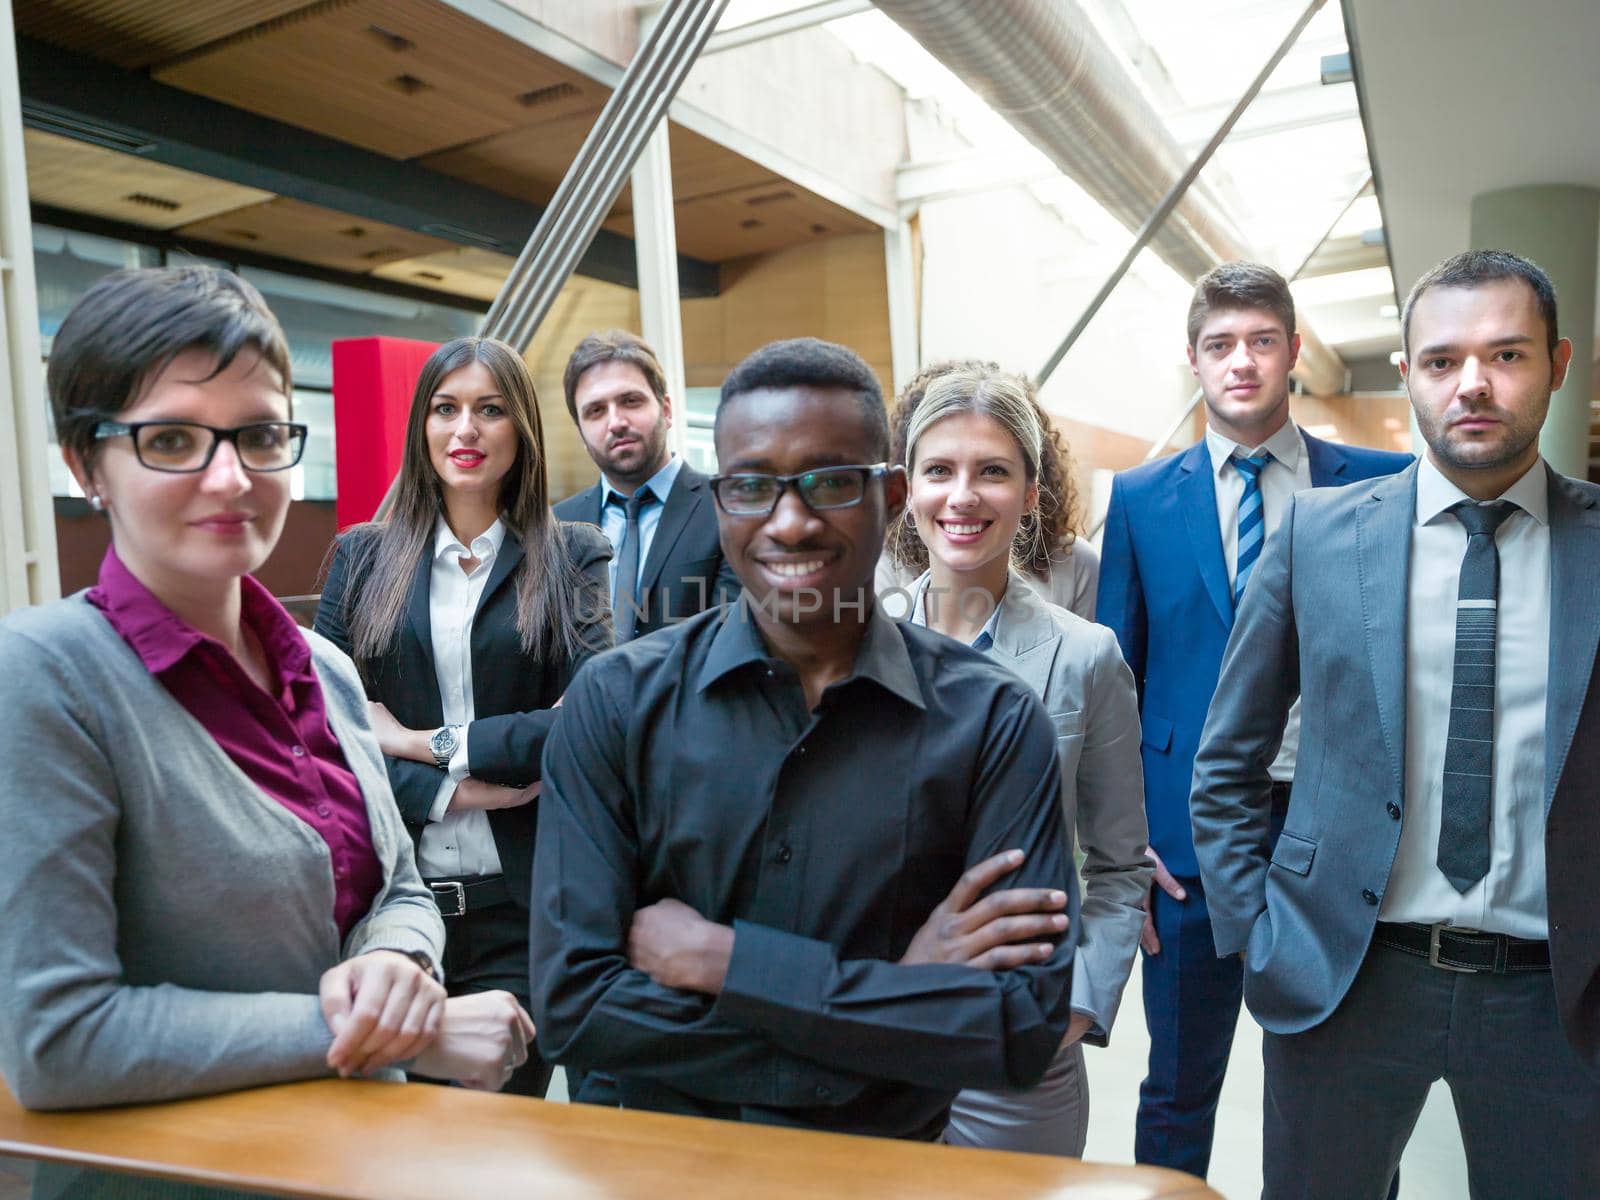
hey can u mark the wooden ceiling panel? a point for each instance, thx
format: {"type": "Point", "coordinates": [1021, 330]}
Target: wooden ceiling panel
{"type": "Point", "coordinates": [527, 163]}
{"type": "Point", "coordinates": [400, 77]}
{"type": "Point", "coordinates": [292, 229]}
{"type": "Point", "coordinates": [140, 33]}
{"type": "Point", "coordinates": [753, 220]}
{"type": "Point", "coordinates": [462, 272]}
{"type": "Point", "coordinates": [122, 187]}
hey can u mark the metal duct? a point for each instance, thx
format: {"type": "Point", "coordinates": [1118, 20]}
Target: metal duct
{"type": "Point", "coordinates": [1041, 65]}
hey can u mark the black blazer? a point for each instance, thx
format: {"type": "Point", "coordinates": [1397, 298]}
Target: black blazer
{"type": "Point", "coordinates": [1571, 832]}
{"type": "Point", "coordinates": [512, 693]}
{"type": "Point", "coordinates": [685, 572]}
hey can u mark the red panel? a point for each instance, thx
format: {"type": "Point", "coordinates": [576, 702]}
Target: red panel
{"type": "Point", "coordinates": [373, 379]}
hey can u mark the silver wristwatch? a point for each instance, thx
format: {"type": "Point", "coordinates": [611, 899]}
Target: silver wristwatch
{"type": "Point", "coordinates": [443, 743]}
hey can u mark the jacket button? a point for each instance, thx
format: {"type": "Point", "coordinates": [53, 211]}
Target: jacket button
{"type": "Point", "coordinates": [1394, 810]}
{"type": "Point", "coordinates": [784, 854]}
{"type": "Point", "coordinates": [1370, 896]}
{"type": "Point", "coordinates": [824, 1092]}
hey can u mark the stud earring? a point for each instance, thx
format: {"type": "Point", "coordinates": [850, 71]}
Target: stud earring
{"type": "Point", "coordinates": [97, 504]}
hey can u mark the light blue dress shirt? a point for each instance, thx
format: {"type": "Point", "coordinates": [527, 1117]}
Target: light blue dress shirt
{"type": "Point", "coordinates": [614, 522]}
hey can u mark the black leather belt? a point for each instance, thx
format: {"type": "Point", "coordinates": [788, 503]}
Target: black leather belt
{"type": "Point", "coordinates": [457, 897]}
{"type": "Point", "coordinates": [1452, 948]}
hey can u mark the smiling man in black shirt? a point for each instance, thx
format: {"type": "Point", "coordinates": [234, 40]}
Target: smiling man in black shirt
{"type": "Point", "coordinates": [746, 819]}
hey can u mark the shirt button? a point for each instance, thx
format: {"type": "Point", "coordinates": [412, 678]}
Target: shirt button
{"type": "Point", "coordinates": [1394, 810]}
{"type": "Point", "coordinates": [324, 811]}
{"type": "Point", "coordinates": [800, 750]}
{"type": "Point", "coordinates": [1370, 896]}
{"type": "Point", "coordinates": [784, 854]}
{"type": "Point", "coordinates": [298, 751]}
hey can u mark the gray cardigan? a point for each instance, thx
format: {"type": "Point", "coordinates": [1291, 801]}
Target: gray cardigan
{"type": "Point", "coordinates": [163, 923]}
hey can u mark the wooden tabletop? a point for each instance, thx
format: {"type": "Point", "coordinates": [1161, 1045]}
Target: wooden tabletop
{"type": "Point", "coordinates": [338, 1140]}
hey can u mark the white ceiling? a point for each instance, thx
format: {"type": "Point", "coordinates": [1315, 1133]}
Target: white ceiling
{"type": "Point", "coordinates": [1470, 96]}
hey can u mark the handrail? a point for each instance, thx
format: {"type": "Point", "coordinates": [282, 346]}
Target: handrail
{"type": "Point", "coordinates": [337, 1140]}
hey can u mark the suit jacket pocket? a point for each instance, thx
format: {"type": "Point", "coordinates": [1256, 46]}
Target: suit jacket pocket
{"type": "Point", "coordinates": [1155, 733]}
{"type": "Point", "coordinates": [1067, 724]}
{"type": "Point", "coordinates": [1294, 853]}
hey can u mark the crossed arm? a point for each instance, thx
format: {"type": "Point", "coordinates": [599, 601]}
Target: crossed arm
{"type": "Point", "coordinates": [757, 998]}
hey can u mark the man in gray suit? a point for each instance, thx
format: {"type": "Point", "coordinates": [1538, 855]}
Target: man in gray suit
{"type": "Point", "coordinates": [1421, 917]}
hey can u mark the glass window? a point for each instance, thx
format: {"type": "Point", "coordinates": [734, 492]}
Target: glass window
{"type": "Point", "coordinates": [315, 478]}
{"type": "Point", "coordinates": [314, 314]}
{"type": "Point", "coordinates": [66, 263]}
{"type": "Point", "coordinates": [698, 449]}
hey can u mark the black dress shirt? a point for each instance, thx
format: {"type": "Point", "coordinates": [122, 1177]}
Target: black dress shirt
{"type": "Point", "coordinates": [687, 765]}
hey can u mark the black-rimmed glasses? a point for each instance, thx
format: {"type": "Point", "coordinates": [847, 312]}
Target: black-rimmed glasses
{"type": "Point", "coordinates": [185, 446]}
{"type": "Point", "coordinates": [747, 494]}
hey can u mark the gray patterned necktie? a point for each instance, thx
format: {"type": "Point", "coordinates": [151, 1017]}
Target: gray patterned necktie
{"type": "Point", "coordinates": [1469, 753]}
{"type": "Point", "coordinates": [625, 583]}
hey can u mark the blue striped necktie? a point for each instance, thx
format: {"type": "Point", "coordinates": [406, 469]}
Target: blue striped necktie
{"type": "Point", "coordinates": [1469, 752]}
{"type": "Point", "coordinates": [1252, 520]}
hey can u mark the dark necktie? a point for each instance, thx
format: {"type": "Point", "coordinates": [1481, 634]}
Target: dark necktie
{"type": "Point", "coordinates": [1252, 520]}
{"type": "Point", "coordinates": [625, 584]}
{"type": "Point", "coordinates": [1469, 753]}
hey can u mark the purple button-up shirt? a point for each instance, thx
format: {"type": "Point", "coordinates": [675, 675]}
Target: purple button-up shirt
{"type": "Point", "coordinates": [281, 740]}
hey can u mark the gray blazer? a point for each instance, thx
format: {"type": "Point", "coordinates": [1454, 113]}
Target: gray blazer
{"type": "Point", "coordinates": [1339, 564]}
{"type": "Point", "coordinates": [1075, 667]}
{"type": "Point", "coordinates": [164, 924]}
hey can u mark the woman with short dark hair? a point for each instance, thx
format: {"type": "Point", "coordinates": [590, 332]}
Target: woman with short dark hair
{"type": "Point", "coordinates": [468, 609]}
{"type": "Point", "coordinates": [207, 883]}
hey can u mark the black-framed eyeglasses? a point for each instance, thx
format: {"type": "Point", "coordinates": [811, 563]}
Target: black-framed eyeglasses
{"type": "Point", "coordinates": [186, 446]}
{"type": "Point", "coordinates": [748, 494]}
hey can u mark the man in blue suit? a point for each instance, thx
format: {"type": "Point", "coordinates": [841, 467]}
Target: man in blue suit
{"type": "Point", "coordinates": [1429, 911]}
{"type": "Point", "coordinates": [1181, 539]}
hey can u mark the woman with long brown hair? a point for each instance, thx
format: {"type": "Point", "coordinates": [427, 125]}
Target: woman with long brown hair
{"type": "Point", "coordinates": [468, 609]}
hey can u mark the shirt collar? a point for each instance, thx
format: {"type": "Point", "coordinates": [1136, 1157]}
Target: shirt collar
{"type": "Point", "coordinates": [161, 638]}
{"type": "Point", "coordinates": [986, 635]}
{"type": "Point", "coordinates": [883, 657]}
{"type": "Point", "coordinates": [1286, 446]}
{"type": "Point", "coordinates": [1435, 493]}
{"type": "Point", "coordinates": [659, 484]}
{"type": "Point", "coordinates": [484, 547]}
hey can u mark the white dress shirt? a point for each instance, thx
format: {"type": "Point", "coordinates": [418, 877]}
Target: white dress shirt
{"type": "Point", "coordinates": [455, 844]}
{"type": "Point", "coordinates": [1288, 472]}
{"type": "Point", "coordinates": [1510, 898]}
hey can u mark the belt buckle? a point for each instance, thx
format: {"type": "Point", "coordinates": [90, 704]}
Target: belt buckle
{"type": "Point", "coordinates": [1433, 948]}
{"type": "Point", "coordinates": [457, 893]}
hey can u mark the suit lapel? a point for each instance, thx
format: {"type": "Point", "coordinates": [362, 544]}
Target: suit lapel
{"type": "Point", "coordinates": [418, 613]}
{"type": "Point", "coordinates": [1198, 498]}
{"type": "Point", "coordinates": [1026, 635]}
{"type": "Point", "coordinates": [1574, 634]}
{"type": "Point", "coordinates": [589, 510]}
{"type": "Point", "coordinates": [1328, 462]}
{"type": "Point", "coordinates": [1383, 570]}
{"type": "Point", "coordinates": [505, 562]}
{"type": "Point", "coordinates": [682, 499]}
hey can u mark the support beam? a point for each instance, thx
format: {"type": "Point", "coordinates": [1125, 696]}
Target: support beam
{"type": "Point", "coordinates": [802, 17]}
{"type": "Point", "coordinates": [919, 183]}
{"type": "Point", "coordinates": [591, 185]}
{"type": "Point", "coordinates": [520, 26]}
{"type": "Point", "coordinates": [1175, 193]}
{"type": "Point", "coordinates": [655, 237]}
{"type": "Point", "coordinates": [78, 97]}
{"type": "Point", "coordinates": [29, 573]}
{"type": "Point", "coordinates": [905, 325]}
